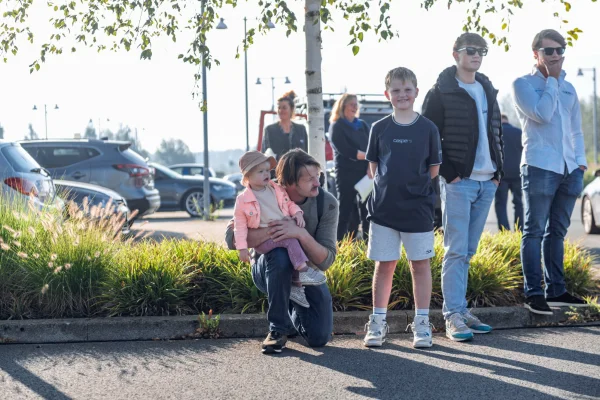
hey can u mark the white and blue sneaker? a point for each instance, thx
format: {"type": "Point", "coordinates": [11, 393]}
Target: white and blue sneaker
{"type": "Point", "coordinates": [456, 329]}
{"type": "Point", "coordinates": [474, 324]}
{"type": "Point", "coordinates": [377, 329]}
{"type": "Point", "coordinates": [422, 332]}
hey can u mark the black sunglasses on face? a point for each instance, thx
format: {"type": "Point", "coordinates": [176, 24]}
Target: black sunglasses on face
{"type": "Point", "coordinates": [550, 50]}
{"type": "Point", "coordinates": [472, 50]}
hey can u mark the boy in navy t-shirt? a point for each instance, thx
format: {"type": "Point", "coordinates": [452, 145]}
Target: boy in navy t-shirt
{"type": "Point", "coordinates": [404, 155]}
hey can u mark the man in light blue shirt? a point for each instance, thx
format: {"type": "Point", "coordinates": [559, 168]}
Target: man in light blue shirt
{"type": "Point", "coordinates": [552, 167]}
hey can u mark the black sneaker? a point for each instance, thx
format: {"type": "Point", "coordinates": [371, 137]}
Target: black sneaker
{"type": "Point", "coordinates": [537, 305]}
{"type": "Point", "coordinates": [566, 299]}
{"type": "Point", "coordinates": [274, 343]}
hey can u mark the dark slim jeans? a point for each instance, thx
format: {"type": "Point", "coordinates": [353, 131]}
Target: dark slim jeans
{"type": "Point", "coordinates": [548, 200]}
{"type": "Point", "coordinates": [500, 203]}
{"type": "Point", "coordinates": [272, 274]}
{"type": "Point", "coordinates": [352, 211]}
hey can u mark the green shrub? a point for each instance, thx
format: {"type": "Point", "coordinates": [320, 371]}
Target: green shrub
{"type": "Point", "coordinates": [147, 281]}
{"type": "Point", "coordinates": [80, 267]}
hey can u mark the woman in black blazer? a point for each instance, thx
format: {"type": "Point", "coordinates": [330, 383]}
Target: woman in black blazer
{"type": "Point", "coordinates": [349, 138]}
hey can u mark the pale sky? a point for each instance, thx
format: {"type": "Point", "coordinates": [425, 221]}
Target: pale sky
{"type": "Point", "coordinates": [155, 96]}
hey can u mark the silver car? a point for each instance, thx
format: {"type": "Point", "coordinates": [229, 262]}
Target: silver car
{"type": "Point", "coordinates": [108, 163]}
{"type": "Point", "coordinates": [192, 169]}
{"type": "Point", "coordinates": [22, 178]}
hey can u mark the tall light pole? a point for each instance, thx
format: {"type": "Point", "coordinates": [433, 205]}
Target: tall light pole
{"type": "Point", "coordinates": [45, 116]}
{"type": "Point", "coordinates": [287, 82]}
{"type": "Point", "coordinates": [204, 108]}
{"type": "Point", "coordinates": [594, 111]}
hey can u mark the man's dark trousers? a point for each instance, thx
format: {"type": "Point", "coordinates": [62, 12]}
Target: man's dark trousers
{"type": "Point", "coordinates": [272, 274]}
{"type": "Point", "coordinates": [501, 200]}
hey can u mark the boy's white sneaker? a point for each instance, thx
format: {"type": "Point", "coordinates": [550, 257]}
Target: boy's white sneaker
{"type": "Point", "coordinates": [298, 296]}
{"type": "Point", "coordinates": [311, 277]}
{"type": "Point", "coordinates": [422, 332]}
{"type": "Point", "coordinates": [377, 329]}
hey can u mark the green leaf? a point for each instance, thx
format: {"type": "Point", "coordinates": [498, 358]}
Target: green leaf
{"type": "Point", "coordinates": [360, 36]}
{"type": "Point", "coordinates": [355, 50]}
{"type": "Point", "coordinates": [504, 26]}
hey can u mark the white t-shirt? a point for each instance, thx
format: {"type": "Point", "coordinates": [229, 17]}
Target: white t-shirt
{"type": "Point", "coordinates": [484, 167]}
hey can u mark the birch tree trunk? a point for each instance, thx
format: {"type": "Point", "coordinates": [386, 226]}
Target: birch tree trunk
{"type": "Point", "coordinates": [314, 86]}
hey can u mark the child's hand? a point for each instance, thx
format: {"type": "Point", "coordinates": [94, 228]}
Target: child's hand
{"type": "Point", "coordinates": [244, 255]}
{"type": "Point", "coordinates": [299, 219]}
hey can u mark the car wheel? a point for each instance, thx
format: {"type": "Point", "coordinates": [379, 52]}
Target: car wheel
{"type": "Point", "coordinates": [587, 217]}
{"type": "Point", "coordinates": [193, 203]}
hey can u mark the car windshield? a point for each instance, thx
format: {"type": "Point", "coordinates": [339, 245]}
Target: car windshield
{"type": "Point", "coordinates": [20, 159]}
{"type": "Point", "coordinates": [168, 172]}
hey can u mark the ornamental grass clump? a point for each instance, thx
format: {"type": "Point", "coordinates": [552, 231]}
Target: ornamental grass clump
{"type": "Point", "coordinates": [51, 267]}
{"type": "Point", "coordinates": [221, 282]}
{"type": "Point", "coordinates": [350, 276]}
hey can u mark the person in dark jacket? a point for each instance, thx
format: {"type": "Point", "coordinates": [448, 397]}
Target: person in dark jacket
{"type": "Point", "coordinates": [463, 105]}
{"type": "Point", "coordinates": [349, 139]}
{"type": "Point", "coordinates": [513, 148]}
{"type": "Point", "coordinates": [285, 135]}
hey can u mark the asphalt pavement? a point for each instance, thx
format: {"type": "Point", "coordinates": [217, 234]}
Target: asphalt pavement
{"type": "Point", "coordinates": [543, 363]}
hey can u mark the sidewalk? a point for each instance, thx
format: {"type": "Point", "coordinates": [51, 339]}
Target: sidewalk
{"type": "Point", "coordinates": [550, 363]}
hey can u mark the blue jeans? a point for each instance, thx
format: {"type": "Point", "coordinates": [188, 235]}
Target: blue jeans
{"type": "Point", "coordinates": [465, 207]}
{"type": "Point", "coordinates": [500, 203]}
{"type": "Point", "coordinates": [272, 274]}
{"type": "Point", "coordinates": [549, 199]}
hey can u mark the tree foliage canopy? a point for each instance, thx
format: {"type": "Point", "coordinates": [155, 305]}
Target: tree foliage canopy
{"type": "Point", "coordinates": [133, 24]}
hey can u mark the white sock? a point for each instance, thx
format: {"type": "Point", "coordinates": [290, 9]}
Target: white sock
{"type": "Point", "coordinates": [422, 312]}
{"type": "Point", "coordinates": [380, 311]}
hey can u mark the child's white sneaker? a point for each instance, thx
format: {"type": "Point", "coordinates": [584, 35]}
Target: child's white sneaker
{"type": "Point", "coordinates": [311, 277]}
{"type": "Point", "coordinates": [377, 329]}
{"type": "Point", "coordinates": [298, 296]}
{"type": "Point", "coordinates": [422, 332]}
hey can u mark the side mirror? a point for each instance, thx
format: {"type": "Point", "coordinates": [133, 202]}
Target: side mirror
{"type": "Point", "coordinates": [597, 173]}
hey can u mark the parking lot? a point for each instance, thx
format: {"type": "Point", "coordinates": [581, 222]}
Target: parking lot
{"type": "Point", "coordinates": [180, 225]}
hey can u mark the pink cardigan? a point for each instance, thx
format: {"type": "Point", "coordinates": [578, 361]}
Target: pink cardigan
{"type": "Point", "coordinates": [246, 214]}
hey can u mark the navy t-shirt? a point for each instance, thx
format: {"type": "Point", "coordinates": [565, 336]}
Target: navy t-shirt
{"type": "Point", "coordinates": [403, 197]}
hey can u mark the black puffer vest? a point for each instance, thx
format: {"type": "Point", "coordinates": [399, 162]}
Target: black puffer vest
{"type": "Point", "coordinates": [455, 113]}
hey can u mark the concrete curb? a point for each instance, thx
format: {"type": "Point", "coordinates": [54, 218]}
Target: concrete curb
{"type": "Point", "coordinates": [236, 326]}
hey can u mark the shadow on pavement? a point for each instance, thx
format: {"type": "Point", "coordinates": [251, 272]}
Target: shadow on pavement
{"type": "Point", "coordinates": [403, 372]}
{"type": "Point", "coordinates": [104, 355]}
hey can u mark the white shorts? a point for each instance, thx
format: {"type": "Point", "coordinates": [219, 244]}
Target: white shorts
{"type": "Point", "coordinates": [384, 244]}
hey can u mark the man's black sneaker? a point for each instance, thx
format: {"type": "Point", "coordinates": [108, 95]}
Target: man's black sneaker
{"type": "Point", "coordinates": [274, 343]}
{"type": "Point", "coordinates": [566, 299]}
{"type": "Point", "coordinates": [537, 305]}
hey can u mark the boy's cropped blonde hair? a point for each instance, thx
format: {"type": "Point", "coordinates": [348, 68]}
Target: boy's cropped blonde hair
{"type": "Point", "coordinates": [401, 74]}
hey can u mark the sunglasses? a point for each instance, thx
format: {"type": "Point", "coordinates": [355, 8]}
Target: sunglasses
{"type": "Point", "coordinates": [472, 50]}
{"type": "Point", "coordinates": [550, 50]}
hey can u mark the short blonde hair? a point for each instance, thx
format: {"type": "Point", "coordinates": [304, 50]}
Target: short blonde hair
{"type": "Point", "coordinates": [337, 111]}
{"type": "Point", "coordinates": [401, 74]}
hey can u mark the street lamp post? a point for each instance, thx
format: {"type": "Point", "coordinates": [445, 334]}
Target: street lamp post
{"type": "Point", "coordinates": [246, 83]}
{"type": "Point", "coordinates": [45, 116]}
{"type": "Point", "coordinates": [287, 82]}
{"type": "Point", "coordinates": [270, 25]}
{"type": "Point", "coordinates": [594, 111]}
{"type": "Point", "coordinates": [206, 186]}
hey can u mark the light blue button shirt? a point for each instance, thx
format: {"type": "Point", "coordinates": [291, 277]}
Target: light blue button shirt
{"type": "Point", "coordinates": [551, 119]}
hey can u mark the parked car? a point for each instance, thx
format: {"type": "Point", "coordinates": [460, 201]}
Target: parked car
{"type": "Point", "coordinates": [23, 179]}
{"type": "Point", "coordinates": [107, 163]}
{"type": "Point", "coordinates": [590, 205]}
{"type": "Point", "coordinates": [236, 179]}
{"type": "Point", "coordinates": [97, 196]}
{"type": "Point", "coordinates": [178, 192]}
{"type": "Point", "coordinates": [191, 169]}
